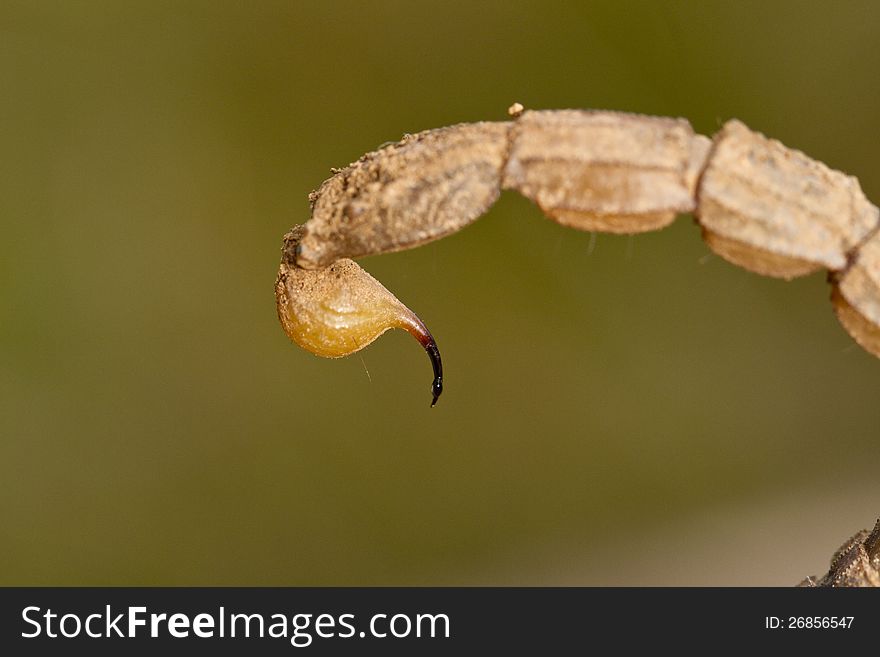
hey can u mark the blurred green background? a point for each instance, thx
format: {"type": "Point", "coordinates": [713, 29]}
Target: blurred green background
{"type": "Point", "coordinates": [640, 412]}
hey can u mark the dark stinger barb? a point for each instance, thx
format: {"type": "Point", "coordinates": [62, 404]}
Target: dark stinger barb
{"type": "Point", "coordinates": [420, 332]}
{"type": "Point", "coordinates": [434, 355]}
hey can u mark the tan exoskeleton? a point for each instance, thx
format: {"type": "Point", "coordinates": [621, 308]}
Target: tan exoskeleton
{"type": "Point", "coordinates": [761, 205]}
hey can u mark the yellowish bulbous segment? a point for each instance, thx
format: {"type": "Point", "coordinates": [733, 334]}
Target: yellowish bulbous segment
{"type": "Point", "coordinates": [340, 309]}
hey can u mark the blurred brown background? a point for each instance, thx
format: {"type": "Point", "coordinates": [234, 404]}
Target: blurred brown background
{"type": "Point", "coordinates": [642, 413]}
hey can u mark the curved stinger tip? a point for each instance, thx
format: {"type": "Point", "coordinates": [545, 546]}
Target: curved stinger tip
{"type": "Point", "coordinates": [434, 355]}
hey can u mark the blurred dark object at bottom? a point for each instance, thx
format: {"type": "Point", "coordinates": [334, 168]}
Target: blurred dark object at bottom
{"type": "Point", "coordinates": [856, 563]}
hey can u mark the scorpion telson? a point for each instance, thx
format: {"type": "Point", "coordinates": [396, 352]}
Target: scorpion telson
{"type": "Point", "coordinates": [762, 206]}
{"type": "Point", "coordinates": [340, 309]}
